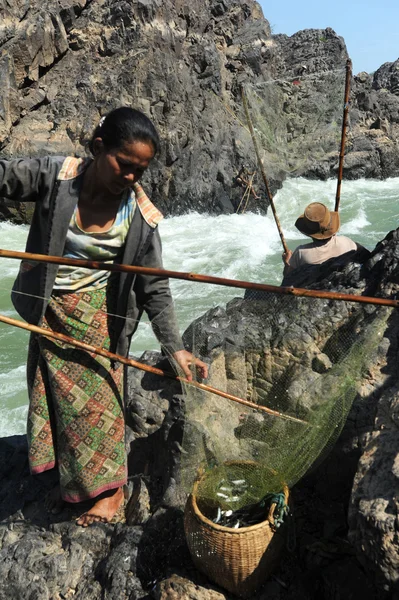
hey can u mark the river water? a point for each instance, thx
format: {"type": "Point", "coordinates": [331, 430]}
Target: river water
{"type": "Point", "coordinates": [245, 246]}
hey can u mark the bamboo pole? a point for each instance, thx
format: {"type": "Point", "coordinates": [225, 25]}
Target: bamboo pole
{"type": "Point", "coordinates": [143, 367]}
{"type": "Point", "coordinates": [343, 133]}
{"type": "Point", "coordinates": [262, 169]}
{"type": "Point", "coordinates": [236, 283]}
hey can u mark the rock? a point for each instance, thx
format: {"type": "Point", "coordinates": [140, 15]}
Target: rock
{"type": "Point", "coordinates": [387, 78]}
{"type": "Point", "coordinates": [183, 64]}
{"type": "Point", "coordinates": [373, 514]}
{"type": "Point", "coordinates": [321, 363]}
{"type": "Point", "coordinates": [119, 577]}
{"type": "Point", "coordinates": [111, 47]}
{"type": "Point", "coordinates": [138, 507]}
{"type": "Point", "coordinates": [363, 77]}
{"type": "Point", "coordinates": [179, 588]}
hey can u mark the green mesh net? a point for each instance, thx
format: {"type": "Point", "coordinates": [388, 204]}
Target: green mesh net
{"type": "Point", "coordinates": [297, 122]}
{"type": "Point", "coordinates": [298, 361]}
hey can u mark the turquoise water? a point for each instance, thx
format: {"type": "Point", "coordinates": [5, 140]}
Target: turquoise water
{"type": "Point", "coordinates": [244, 247]}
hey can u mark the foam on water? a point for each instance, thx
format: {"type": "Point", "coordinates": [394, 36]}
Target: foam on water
{"type": "Point", "coordinates": [356, 225]}
{"type": "Point", "coordinates": [217, 244]}
{"type": "Point", "coordinates": [13, 420]}
{"type": "Point", "coordinates": [13, 381]}
{"type": "Point", "coordinates": [13, 407]}
{"type": "Point", "coordinates": [244, 247]}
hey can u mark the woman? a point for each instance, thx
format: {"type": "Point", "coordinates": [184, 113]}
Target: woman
{"type": "Point", "coordinates": [94, 209]}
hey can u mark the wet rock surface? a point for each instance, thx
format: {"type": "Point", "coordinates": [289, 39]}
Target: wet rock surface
{"type": "Point", "coordinates": [183, 63]}
{"type": "Point", "coordinates": [342, 540]}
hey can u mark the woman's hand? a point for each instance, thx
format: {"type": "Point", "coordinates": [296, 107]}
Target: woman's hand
{"type": "Point", "coordinates": [185, 359]}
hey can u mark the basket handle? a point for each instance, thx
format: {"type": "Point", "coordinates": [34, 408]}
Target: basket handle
{"type": "Point", "coordinates": [270, 516]}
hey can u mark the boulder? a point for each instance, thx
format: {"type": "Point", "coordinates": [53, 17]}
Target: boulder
{"type": "Point", "coordinates": [183, 64]}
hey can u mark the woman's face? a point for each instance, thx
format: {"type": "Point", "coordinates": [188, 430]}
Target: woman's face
{"type": "Point", "coordinates": [119, 168]}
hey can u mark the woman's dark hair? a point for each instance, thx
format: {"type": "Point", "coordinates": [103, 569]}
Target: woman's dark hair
{"type": "Point", "coordinates": [125, 124]}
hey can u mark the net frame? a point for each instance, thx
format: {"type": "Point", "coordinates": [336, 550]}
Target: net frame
{"type": "Point", "coordinates": [223, 443]}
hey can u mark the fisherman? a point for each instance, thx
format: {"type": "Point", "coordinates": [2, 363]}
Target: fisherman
{"type": "Point", "coordinates": [321, 225]}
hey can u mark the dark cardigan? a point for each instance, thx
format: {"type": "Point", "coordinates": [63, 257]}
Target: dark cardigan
{"type": "Point", "coordinates": [38, 180]}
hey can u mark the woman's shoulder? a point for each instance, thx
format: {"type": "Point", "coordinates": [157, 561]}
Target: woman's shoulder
{"type": "Point", "coordinates": [148, 210]}
{"type": "Point", "coordinates": [72, 166]}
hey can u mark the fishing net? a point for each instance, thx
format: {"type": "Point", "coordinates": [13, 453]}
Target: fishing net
{"type": "Point", "coordinates": [297, 122]}
{"type": "Point", "coordinates": [298, 361]}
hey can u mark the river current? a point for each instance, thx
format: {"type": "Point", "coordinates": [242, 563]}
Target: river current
{"type": "Point", "coordinates": [245, 246]}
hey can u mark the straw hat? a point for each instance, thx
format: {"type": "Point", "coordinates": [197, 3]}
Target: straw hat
{"type": "Point", "coordinates": [318, 222]}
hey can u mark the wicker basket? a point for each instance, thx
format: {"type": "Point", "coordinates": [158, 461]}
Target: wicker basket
{"type": "Point", "coordinates": [238, 560]}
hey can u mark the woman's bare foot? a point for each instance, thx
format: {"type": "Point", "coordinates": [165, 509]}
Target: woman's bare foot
{"type": "Point", "coordinates": [53, 501]}
{"type": "Point", "coordinates": [104, 509]}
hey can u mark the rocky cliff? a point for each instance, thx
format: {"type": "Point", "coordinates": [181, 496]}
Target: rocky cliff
{"type": "Point", "coordinates": [64, 65]}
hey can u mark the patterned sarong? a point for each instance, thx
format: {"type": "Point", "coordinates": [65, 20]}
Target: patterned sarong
{"type": "Point", "coordinates": [75, 416]}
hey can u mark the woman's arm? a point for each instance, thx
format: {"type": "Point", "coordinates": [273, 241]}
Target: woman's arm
{"type": "Point", "coordinates": [153, 294]}
{"type": "Point", "coordinates": [25, 179]}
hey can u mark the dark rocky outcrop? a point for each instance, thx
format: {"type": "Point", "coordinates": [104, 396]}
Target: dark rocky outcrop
{"type": "Point", "coordinates": [48, 556]}
{"type": "Point", "coordinates": [65, 65]}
